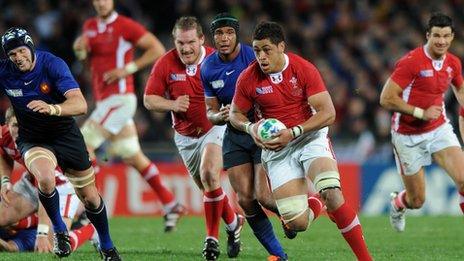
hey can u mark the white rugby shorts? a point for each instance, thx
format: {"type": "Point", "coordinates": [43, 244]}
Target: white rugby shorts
{"type": "Point", "coordinates": [294, 160]}
{"type": "Point", "coordinates": [412, 152]}
{"type": "Point", "coordinates": [190, 149]}
{"type": "Point", "coordinates": [115, 112]}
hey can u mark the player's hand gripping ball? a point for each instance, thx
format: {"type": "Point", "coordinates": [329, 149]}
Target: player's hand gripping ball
{"type": "Point", "coordinates": [268, 128]}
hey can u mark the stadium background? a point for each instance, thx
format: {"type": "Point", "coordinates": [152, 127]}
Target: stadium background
{"type": "Point", "coordinates": [353, 43]}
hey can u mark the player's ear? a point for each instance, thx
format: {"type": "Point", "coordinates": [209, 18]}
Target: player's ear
{"type": "Point", "coordinates": [281, 46]}
{"type": "Point", "coordinates": [202, 39]}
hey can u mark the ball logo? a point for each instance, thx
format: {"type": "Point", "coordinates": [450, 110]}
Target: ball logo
{"type": "Point", "coordinates": [44, 88]}
{"type": "Point", "coordinates": [269, 128]}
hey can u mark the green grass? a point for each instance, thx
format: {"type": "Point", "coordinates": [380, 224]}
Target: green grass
{"type": "Point", "coordinates": [425, 238]}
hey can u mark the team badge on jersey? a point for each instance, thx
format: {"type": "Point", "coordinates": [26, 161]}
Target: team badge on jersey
{"type": "Point", "coordinates": [44, 88]}
{"type": "Point", "coordinates": [276, 78]}
{"type": "Point", "coordinates": [296, 90]}
{"type": "Point", "coordinates": [191, 70]}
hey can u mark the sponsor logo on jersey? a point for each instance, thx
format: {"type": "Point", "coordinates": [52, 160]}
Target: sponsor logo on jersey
{"type": "Point", "coordinates": [44, 88]}
{"type": "Point", "coordinates": [14, 92]}
{"type": "Point", "coordinates": [229, 73]}
{"type": "Point", "coordinates": [426, 73]}
{"type": "Point", "coordinates": [264, 90]}
{"type": "Point", "coordinates": [177, 77]}
{"type": "Point", "coordinates": [217, 84]}
{"type": "Point", "coordinates": [91, 33]}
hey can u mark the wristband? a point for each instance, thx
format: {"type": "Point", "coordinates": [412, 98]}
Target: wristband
{"type": "Point", "coordinates": [131, 68]}
{"type": "Point", "coordinates": [418, 113]}
{"type": "Point", "coordinates": [80, 54]}
{"type": "Point", "coordinates": [58, 109]}
{"type": "Point", "coordinates": [55, 110]}
{"type": "Point", "coordinates": [297, 131]}
{"type": "Point", "coordinates": [42, 230]}
{"type": "Point", "coordinates": [5, 180]}
{"type": "Point", "coordinates": [248, 128]}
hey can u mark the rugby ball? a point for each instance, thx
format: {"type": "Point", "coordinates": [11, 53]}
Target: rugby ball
{"type": "Point", "coordinates": [268, 128]}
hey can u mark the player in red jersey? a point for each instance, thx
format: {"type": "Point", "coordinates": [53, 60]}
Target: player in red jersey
{"type": "Point", "coordinates": [108, 40]}
{"type": "Point", "coordinates": [420, 129]}
{"type": "Point", "coordinates": [177, 75]}
{"type": "Point", "coordinates": [20, 202]}
{"type": "Point", "coordinates": [287, 87]}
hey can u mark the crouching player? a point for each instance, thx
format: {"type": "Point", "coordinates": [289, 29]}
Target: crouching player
{"type": "Point", "coordinates": [20, 202]}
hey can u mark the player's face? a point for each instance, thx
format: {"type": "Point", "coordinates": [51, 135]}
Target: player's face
{"type": "Point", "coordinates": [22, 58]}
{"type": "Point", "coordinates": [13, 127]}
{"type": "Point", "coordinates": [269, 56]}
{"type": "Point", "coordinates": [104, 8]}
{"type": "Point", "coordinates": [188, 45]}
{"type": "Point", "coordinates": [439, 40]}
{"type": "Point", "coordinates": [225, 40]}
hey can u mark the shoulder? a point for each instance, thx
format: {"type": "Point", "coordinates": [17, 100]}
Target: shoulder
{"type": "Point", "coordinates": [251, 73]}
{"type": "Point", "coordinates": [412, 57]}
{"type": "Point", "coordinates": [299, 63]}
{"type": "Point", "coordinates": [453, 59]}
{"type": "Point", "coordinates": [209, 50]}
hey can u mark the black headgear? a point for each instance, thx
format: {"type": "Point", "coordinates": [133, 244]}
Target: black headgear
{"type": "Point", "coordinates": [224, 19]}
{"type": "Point", "coordinates": [16, 37]}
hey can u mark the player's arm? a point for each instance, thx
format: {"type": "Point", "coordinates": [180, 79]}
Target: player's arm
{"type": "Point", "coordinates": [81, 47]}
{"type": "Point", "coordinates": [74, 105]}
{"type": "Point", "coordinates": [8, 246]}
{"type": "Point", "coordinates": [152, 50]}
{"type": "Point", "coordinates": [216, 115]}
{"type": "Point", "coordinates": [158, 103]}
{"type": "Point", "coordinates": [390, 99]}
{"type": "Point", "coordinates": [6, 167]}
{"type": "Point", "coordinates": [42, 242]}
{"type": "Point", "coordinates": [238, 119]}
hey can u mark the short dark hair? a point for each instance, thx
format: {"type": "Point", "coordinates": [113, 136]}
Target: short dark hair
{"type": "Point", "coordinates": [439, 20]}
{"type": "Point", "coordinates": [269, 30]}
{"type": "Point", "coordinates": [185, 23]}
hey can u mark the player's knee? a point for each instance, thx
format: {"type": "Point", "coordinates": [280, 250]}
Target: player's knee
{"type": "Point", "coordinates": [82, 179]}
{"type": "Point", "coordinates": [92, 135]}
{"type": "Point", "coordinates": [294, 211]}
{"type": "Point", "coordinates": [210, 179]}
{"type": "Point", "coordinates": [332, 197]}
{"type": "Point", "coordinates": [125, 148]}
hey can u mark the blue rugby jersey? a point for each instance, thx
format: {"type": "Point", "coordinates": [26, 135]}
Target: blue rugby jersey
{"type": "Point", "coordinates": [24, 238]}
{"type": "Point", "coordinates": [219, 77]}
{"type": "Point", "coordinates": [48, 81]}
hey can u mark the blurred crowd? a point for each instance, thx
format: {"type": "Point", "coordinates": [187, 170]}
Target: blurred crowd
{"type": "Point", "coordinates": [354, 44]}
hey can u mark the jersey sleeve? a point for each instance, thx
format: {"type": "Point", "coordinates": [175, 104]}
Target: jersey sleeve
{"type": "Point", "coordinates": [242, 97]}
{"type": "Point", "coordinates": [133, 31]}
{"type": "Point", "coordinates": [457, 79]}
{"type": "Point", "coordinates": [209, 91]}
{"type": "Point", "coordinates": [25, 239]}
{"type": "Point", "coordinates": [61, 75]}
{"type": "Point", "coordinates": [156, 83]}
{"type": "Point", "coordinates": [314, 83]}
{"type": "Point", "coordinates": [403, 73]}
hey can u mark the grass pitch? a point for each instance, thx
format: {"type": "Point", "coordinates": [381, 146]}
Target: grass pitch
{"type": "Point", "coordinates": [425, 238]}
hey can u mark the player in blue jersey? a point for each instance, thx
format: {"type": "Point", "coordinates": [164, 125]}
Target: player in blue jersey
{"type": "Point", "coordinates": [242, 157]}
{"type": "Point", "coordinates": [17, 241]}
{"type": "Point", "coordinates": [45, 97]}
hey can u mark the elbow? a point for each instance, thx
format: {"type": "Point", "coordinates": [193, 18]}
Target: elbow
{"type": "Point", "coordinates": [386, 102]}
{"type": "Point", "coordinates": [83, 108]}
{"type": "Point", "coordinates": [331, 118]}
{"type": "Point", "coordinates": [146, 103]}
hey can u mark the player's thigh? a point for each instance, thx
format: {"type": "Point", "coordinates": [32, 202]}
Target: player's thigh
{"type": "Point", "coordinates": [129, 130]}
{"type": "Point", "coordinates": [241, 178]}
{"type": "Point", "coordinates": [71, 151]}
{"type": "Point", "coordinates": [18, 208]}
{"type": "Point", "coordinates": [451, 159]}
{"type": "Point", "coordinates": [211, 159]}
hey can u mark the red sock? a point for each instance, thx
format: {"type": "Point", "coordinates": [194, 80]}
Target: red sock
{"type": "Point", "coordinates": [213, 202]}
{"type": "Point", "coordinates": [81, 235]}
{"type": "Point", "coordinates": [228, 213]}
{"type": "Point", "coordinates": [461, 201]}
{"type": "Point", "coordinates": [27, 222]}
{"type": "Point", "coordinates": [400, 200]}
{"type": "Point", "coordinates": [316, 205]}
{"type": "Point", "coordinates": [348, 223]}
{"type": "Point", "coordinates": [151, 175]}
